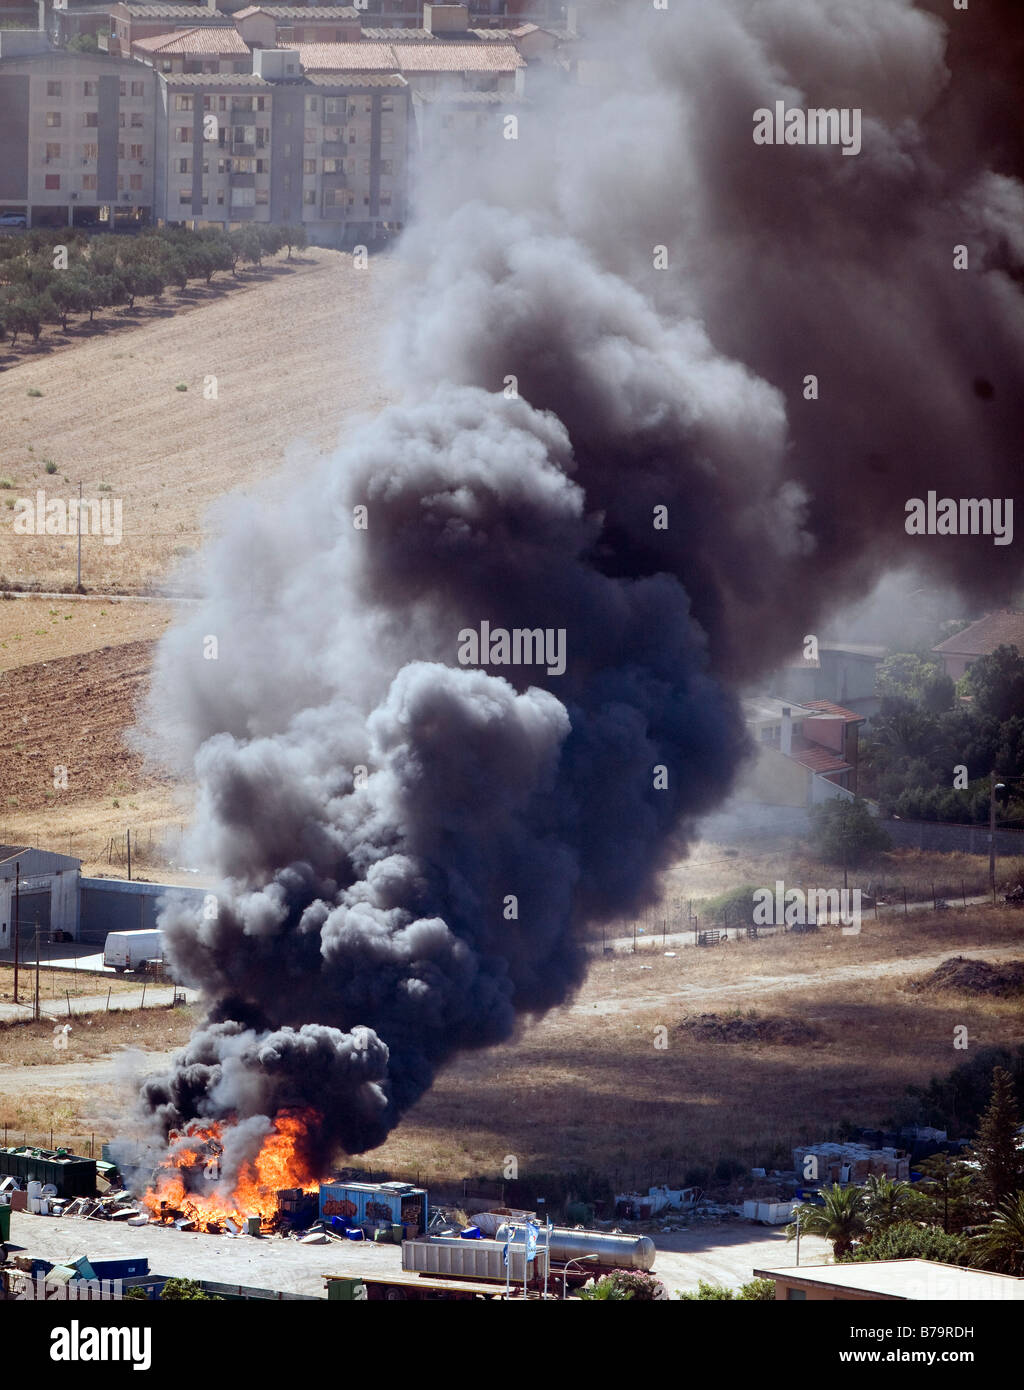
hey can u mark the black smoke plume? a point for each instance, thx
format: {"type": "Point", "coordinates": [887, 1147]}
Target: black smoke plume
{"type": "Point", "coordinates": [409, 848]}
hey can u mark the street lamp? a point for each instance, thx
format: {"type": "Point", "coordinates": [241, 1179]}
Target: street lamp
{"type": "Point", "coordinates": [576, 1260]}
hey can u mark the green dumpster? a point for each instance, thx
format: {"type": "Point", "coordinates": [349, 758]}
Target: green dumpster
{"type": "Point", "coordinates": [345, 1290]}
{"type": "Point", "coordinates": [5, 1223]}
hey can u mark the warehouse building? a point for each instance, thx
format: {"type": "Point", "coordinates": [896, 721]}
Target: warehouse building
{"type": "Point", "coordinates": [42, 888]}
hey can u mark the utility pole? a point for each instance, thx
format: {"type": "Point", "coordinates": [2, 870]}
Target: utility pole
{"type": "Point", "coordinates": [129, 854]}
{"type": "Point", "coordinates": [994, 786]}
{"type": "Point", "coordinates": [78, 528]}
{"type": "Point", "coordinates": [17, 922]}
{"type": "Point", "coordinates": [37, 971]}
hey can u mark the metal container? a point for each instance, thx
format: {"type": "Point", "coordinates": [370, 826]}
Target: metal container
{"type": "Point", "coordinates": [613, 1252]}
{"type": "Point", "coordinates": [470, 1259]}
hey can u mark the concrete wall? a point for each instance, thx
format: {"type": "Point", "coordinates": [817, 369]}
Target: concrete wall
{"type": "Point", "coordinates": [937, 835]}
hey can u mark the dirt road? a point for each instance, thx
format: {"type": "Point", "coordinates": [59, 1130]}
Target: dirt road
{"type": "Point", "coordinates": [830, 975]}
{"type": "Point", "coordinates": [63, 1076]}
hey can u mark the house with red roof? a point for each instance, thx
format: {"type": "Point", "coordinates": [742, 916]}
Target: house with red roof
{"type": "Point", "coordinates": [806, 753]}
{"type": "Point", "coordinates": [1004, 628]}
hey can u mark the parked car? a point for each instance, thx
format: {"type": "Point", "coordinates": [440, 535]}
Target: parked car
{"type": "Point", "coordinates": [13, 219]}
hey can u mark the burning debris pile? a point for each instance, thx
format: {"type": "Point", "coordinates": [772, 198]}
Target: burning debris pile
{"type": "Point", "coordinates": [189, 1190]}
{"type": "Point", "coordinates": [631, 462]}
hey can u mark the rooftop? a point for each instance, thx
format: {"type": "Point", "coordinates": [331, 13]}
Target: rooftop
{"type": "Point", "coordinates": [409, 57]}
{"type": "Point", "coordinates": [818, 759]}
{"type": "Point", "coordinates": [1002, 628]}
{"type": "Point", "coordinates": [837, 711]}
{"type": "Point", "coordinates": [194, 41]}
{"type": "Point", "coordinates": [903, 1279]}
{"type": "Point", "coordinates": [341, 81]}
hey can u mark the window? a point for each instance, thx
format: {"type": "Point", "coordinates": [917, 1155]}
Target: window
{"type": "Point", "coordinates": [263, 195]}
{"type": "Point", "coordinates": [207, 103]}
{"type": "Point", "coordinates": [220, 197]}
{"type": "Point", "coordinates": [332, 105]}
{"type": "Point", "coordinates": [166, 65]}
{"type": "Point", "coordinates": [121, 120]}
{"type": "Point", "coordinates": [184, 195]}
{"type": "Point", "coordinates": [223, 165]}
{"type": "Point", "coordinates": [89, 89]}
{"type": "Point", "coordinates": [350, 166]}
{"type": "Point", "coordinates": [309, 135]}
{"type": "Point", "coordinates": [311, 103]}
{"type": "Point", "coordinates": [369, 105]}
{"type": "Point", "coordinates": [796, 1294]}
{"type": "Point", "coordinates": [120, 152]}
{"type": "Point", "coordinates": [53, 89]}
{"type": "Point", "coordinates": [53, 119]}
{"type": "Point", "coordinates": [52, 181]}
{"type": "Point", "coordinates": [263, 166]}
{"type": "Point", "coordinates": [92, 120]}
{"type": "Point", "coordinates": [184, 166]}
{"type": "Point", "coordinates": [351, 137]}
{"type": "Point", "coordinates": [182, 103]}
{"type": "Point", "coordinates": [309, 166]}
{"type": "Point", "coordinates": [309, 196]}
{"type": "Point", "coordinates": [138, 89]}
{"type": "Point", "coordinates": [387, 103]}
{"type": "Point", "coordinates": [135, 181]}
{"type": "Point", "coordinates": [244, 166]}
{"type": "Point", "coordinates": [53, 152]}
{"type": "Point", "coordinates": [385, 200]}
{"type": "Point", "coordinates": [137, 120]}
{"type": "Point", "coordinates": [243, 197]}
{"type": "Point", "coordinates": [333, 166]}
{"type": "Point", "coordinates": [90, 151]}
{"type": "Point", "coordinates": [206, 166]}
{"type": "Point", "coordinates": [135, 151]}
{"type": "Point", "coordinates": [184, 135]}
{"type": "Point", "coordinates": [89, 183]}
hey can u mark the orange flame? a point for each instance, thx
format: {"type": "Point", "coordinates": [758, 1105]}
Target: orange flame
{"type": "Point", "coordinates": [277, 1165]}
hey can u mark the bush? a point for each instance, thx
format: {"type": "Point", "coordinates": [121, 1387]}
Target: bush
{"type": "Point", "coordinates": [908, 1241]}
{"type": "Point", "coordinates": [707, 1293]}
{"type": "Point", "coordinates": [845, 832]}
{"type": "Point", "coordinates": [758, 1291]}
{"type": "Point", "coordinates": [185, 1289]}
{"type": "Point", "coordinates": [643, 1287]}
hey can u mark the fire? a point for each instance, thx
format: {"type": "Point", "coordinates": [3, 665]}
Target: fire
{"type": "Point", "coordinates": [180, 1190]}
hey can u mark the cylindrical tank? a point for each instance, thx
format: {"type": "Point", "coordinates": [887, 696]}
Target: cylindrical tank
{"type": "Point", "coordinates": [613, 1252]}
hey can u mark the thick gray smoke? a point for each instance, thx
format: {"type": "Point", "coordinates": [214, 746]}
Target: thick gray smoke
{"type": "Point", "coordinates": [410, 847]}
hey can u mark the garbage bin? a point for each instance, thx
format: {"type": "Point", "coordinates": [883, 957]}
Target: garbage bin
{"type": "Point", "coordinates": [5, 1223]}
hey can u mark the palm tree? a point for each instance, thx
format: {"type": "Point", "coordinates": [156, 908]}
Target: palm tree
{"type": "Point", "coordinates": [884, 1203]}
{"type": "Point", "coordinates": [842, 1219]}
{"type": "Point", "coordinates": [1000, 1245]}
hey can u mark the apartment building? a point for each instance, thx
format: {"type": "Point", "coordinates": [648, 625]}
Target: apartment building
{"type": "Point", "coordinates": [277, 145]}
{"type": "Point", "coordinates": [78, 139]}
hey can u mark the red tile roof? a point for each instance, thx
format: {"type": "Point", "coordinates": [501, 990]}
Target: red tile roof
{"type": "Point", "coordinates": [408, 57]}
{"type": "Point", "coordinates": [212, 41]}
{"type": "Point", "coordinates": [819, 759]}
{"type": "Point", "coordinates": [1003, 628]}
{"type": "Point", "coordinates": [827, 707]}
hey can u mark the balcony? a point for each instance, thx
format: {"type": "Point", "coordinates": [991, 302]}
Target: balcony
{"type": "Point", "coordinates": [240, 148]}
{"type": "Point", "coordinates": [338, 180]}
{"type": "Point", "coordinates": [242, 180]}
{"type": "Point", "coordinates": [333, 149]}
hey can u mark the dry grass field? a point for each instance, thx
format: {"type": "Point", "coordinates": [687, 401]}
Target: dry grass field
{"type": "Point", "coordinates": [589, 1085]}
{"type": "Point", "coordinates": [292, 357]}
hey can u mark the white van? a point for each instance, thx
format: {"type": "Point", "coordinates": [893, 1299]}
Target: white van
{"type": "Point", "coordinates": [126, 950]}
